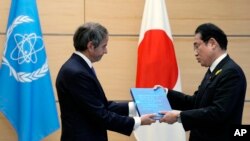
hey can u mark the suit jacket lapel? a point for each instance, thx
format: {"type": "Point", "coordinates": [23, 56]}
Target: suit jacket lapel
{"type": "Point", "coordinates": [216, 71]}
{"type": "Point", "coordinates": [205, 83]}
{"type": "Point", "coordinates": [90, 72]}
{"type": "Point", "coordinates": [218, 68]}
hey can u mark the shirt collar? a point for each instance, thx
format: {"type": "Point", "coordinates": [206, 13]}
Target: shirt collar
{"type": "Point", "coordinates": [217, 61]}
{"type": "Point", "coordinates": [84, 58]}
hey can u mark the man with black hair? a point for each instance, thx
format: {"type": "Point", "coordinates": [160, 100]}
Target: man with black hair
{"type": "Point", "coordinates": [218, 103]}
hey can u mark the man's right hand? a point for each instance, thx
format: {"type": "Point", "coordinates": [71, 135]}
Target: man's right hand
{"type": "Point", "coordinates": [147, 119]}
{"type": "Point", "coordinates": [159, 86]}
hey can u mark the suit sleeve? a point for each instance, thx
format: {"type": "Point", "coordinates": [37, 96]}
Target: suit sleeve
{"type": "Point", "coordinates": [92, 101]}
{"type": "Point", "coordinates": [227, 96]}
{"type": "Point", "coordinates": [120, 108]}
{"type": "Point", "coordinates": [181, 101]}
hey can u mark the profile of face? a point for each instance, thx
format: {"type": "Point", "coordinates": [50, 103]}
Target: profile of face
{"type": "Point", "coordinates": [96, 53]}
{"type": "Point", "coordinates": [204, 52]}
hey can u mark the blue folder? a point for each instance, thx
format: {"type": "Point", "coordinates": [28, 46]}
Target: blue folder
{"type": "Point", "coordinates": [150, 101]}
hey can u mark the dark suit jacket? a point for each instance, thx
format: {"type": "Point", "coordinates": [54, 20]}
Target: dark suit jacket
{"type": "Point", "coordinates": [215, 106]}
{"type": "Point", "coordinates": [86, 114]}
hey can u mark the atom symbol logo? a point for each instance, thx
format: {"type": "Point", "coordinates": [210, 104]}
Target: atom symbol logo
{"type": "Point", "coordinates": [26, 50]}
{"type": "Point", "coordinates": [27, 47]}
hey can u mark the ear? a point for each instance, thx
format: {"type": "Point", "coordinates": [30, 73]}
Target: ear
{"type": "Point", "coordinates": [213, 43]}
{"type": "Point", "coordinates": [90, 46]}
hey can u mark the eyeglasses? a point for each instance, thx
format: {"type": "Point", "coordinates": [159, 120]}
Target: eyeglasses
{"type": "Point", "coordinates": [197, 45]}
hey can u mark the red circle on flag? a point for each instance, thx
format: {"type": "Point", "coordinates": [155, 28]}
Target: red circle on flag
{"type": "Point", "coordinates": [156, 64]}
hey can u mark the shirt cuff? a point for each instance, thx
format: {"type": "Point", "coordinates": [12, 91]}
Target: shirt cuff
{"type": "Point", "coordinates": [132, 109]}
{"type": "Point", "coordinates": [179, 118]}
{"type": "Point", "coordinates": [137, 122]}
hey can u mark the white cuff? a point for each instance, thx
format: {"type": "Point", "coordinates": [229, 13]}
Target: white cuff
{"type": "Point", "coordinates": [179, 118]}
{"type": "Point", "coordinates": [137, 122]}
{"type": "Point", "coordinates": [132, 109]}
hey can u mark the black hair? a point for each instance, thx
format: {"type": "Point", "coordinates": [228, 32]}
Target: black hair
{"type": "Point", "coordinates": [209, 30]}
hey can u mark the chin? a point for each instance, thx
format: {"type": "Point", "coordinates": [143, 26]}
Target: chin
{"type": "Point", "coordinates": [204, 65]}
{"type": "Point", "coordinates": [98, 59]}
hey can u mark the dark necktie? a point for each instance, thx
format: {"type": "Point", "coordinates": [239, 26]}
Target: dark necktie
{"type": "Point", "coordinates": [208, 75]}
{"type": "Point", "coordinates": [93, 71]}
{"type": "Point", "coordinates": [203, 86]}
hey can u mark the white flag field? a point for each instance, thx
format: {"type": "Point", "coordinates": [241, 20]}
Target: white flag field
{"type": "Point", "coordinates": [157, 65]}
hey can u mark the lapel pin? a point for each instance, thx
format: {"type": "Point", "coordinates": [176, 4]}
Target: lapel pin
{"type": "Point", "coordinates": [218, 71]}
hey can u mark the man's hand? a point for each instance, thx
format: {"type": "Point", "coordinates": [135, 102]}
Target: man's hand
{"type": "Point", "coordinates": [160, 86]}
{"type": "Point", "coordinates": [147, 119]}
{"type": "Point", "coordinates": [170, 117]}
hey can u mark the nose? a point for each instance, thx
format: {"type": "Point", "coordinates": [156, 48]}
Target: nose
{"type": "Point", "coordinates": [195, 52]}
{"type": "Point", "coordinates": [105, 51]}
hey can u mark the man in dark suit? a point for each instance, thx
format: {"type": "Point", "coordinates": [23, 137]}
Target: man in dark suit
{"type": "Point", "coordinates": [218, 103]}
{"type": "Point", "coordinates": [86, 114]}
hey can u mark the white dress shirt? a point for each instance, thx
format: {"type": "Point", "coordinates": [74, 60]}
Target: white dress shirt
{"type": "Point", "coordinates": [217, 61]}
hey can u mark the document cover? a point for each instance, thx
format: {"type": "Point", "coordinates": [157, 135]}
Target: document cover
{"type": "Point", "coordinates": [150, 101]}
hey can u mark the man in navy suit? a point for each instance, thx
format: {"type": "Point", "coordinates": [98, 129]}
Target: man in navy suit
{"type": "Point", "coordinates": [86, 114]}
{"type": "Point", "coordinates": [218, 103]}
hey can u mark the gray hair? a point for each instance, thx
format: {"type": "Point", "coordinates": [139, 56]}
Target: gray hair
{"type": "Point", "coordinates": [90, 31]}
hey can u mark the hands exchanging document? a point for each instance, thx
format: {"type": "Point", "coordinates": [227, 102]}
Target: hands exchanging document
{"type": "Point", "coordinates": [169, 117]}
{"type": "Point", "coordinates": [147, 119]}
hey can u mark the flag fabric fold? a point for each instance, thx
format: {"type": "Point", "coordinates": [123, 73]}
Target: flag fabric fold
{"type": "Point", "coordinates": [157, 65]}
{"type": "Point", "coordinates": [26, 93]}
